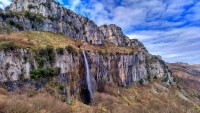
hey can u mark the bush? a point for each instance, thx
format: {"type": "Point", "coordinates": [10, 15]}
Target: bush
{"type": "Point", "coordinates": [141, 81]}
{"type": "Point", "coordinates": [71, 50]}
{"type": "Point", "coordinates": [165, 78]}
{"type": "Point", "coordinates": [149, 77]}
{"type": "Point", "coordinates": [33, 17]}
{"type": "Point", "coordinates": [60, 51]}
{"type": "Point", "coordinates": [8, 46]}
{"type": "Point", "coordinates": [126, 43]}
{"type": "Point", "coordinates": [3, 15]}
{"type": "Point", "coordinates": [198, 97]}
{"type": "Point", "coordinates": [41, 73]}
{"type": "Point", "coordinates": [7, 66]}
{"type": "Point", "coordinates": [32, 7]}
{"type": "Point", "coordinates": [5, 28]}
{"type": "Point", "coordinates": [155, 77]}
{"type": "Point", "coordinates": [44, 55]}
{"type": "Point", "coordinates": [15, 24]}
{"type": "Point", "coordinates": [61, 87]}
{"type": "Point", "coordinates": [47, 5]}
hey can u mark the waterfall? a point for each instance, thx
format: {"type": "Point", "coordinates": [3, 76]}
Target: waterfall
{"type": "Point", "coordinates": [88, 78]}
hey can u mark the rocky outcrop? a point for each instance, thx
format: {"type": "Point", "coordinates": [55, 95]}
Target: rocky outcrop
{"type": "Point", "coordinates": [120, 69]}
{"type": "Point", "coordinates": [114, 34]}
{"type": "Point", "coordinates": [47, 15]}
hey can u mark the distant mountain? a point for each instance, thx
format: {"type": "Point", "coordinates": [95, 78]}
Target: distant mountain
{"type": "Point", "coordinates": [188, 75]}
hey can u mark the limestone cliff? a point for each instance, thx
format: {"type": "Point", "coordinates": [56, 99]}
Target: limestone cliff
{"type": "Point", "coordinates": [119, 68]}
{"type": "Point", "coordinates": [47, 15]}
{"type": "Point", "coordinates": [125, 63]}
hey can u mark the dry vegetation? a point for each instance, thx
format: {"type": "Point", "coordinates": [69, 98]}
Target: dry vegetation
{"type": "Point", "coordinates": [153, 98]}
{"type": "Point", "coordinates": [16, 102]}
{"type": "Point", "coordinates": [109, 47]}
{"type": "Point", "coordinates": [40, 39]}
{"type": "Point", "coordinates": [37, 39]}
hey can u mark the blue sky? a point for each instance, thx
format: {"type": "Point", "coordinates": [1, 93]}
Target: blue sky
{"type": "Point", "coordinates": [170, 28]}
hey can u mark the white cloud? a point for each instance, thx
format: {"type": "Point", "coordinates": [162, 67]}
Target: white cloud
{"type": "Point", "coordinates": [4, 3]}
{"type": "Point", "coordinates": [72, 4]}
{"type": "Point", "coordinates": [174, 45]}
{"type": "Point", "coordinates": [130, 13]}
{"type": "Point", "coordinates": [166, 27]}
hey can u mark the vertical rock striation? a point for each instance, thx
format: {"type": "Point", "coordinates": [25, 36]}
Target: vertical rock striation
{"type": "Point", "coordinates": [119, 69]}
{"type": "Point", "coordinates": [51, 16]}
{"type": "Point", "coordinates": [47, 15]}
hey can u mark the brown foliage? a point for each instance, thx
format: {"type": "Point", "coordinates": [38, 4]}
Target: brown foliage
{"type": "Point", "coordinates": [16, 40]}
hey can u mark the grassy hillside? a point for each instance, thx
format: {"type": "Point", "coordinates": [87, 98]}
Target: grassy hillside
{"type": "Point", "coordinates": [40, 39]}
{"type": "Point", "coordinates": [36, 39]}
{"type": "Point", "coordinates": [152, 98]}
{"type": "Point", "coordinates": [187, 75]}
{"type": "Point", "coordinates": [155, 97]}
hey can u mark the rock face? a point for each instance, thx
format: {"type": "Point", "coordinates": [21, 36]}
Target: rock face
{"type": "Point", "coordinates": [47, 15]}
{"type": "Point", "coordinates": [114, 34]}
{"type": "Point", "coordinates": [121, 69]}
{"type": "Point", "coordinates": [51, 16]}
{"type": "Point", "coordinates": [116, 68]}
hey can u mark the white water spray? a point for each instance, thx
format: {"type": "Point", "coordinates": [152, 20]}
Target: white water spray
{"type": "Point", "coordinates": [88, 78]}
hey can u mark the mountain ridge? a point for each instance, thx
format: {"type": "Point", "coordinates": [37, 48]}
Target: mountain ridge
{"type": "Point", "coordinates": [43, 68]}
{"type": "Point", "coordinates": [55, 18]}
{"type": "Point", "coordinates": [42, 43]}
{"type": "Point", "coordinates": [187, 74]}
{"type": "Point", "coordinates": [48, 15]}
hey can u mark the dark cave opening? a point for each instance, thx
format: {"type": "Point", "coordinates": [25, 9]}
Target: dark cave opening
{"type": "Point", "coordinates": [85, 96]}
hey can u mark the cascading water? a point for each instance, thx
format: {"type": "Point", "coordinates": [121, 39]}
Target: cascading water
{"type": "Point", "coordinates": [88, 78]}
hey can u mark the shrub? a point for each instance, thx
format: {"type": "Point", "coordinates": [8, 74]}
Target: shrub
{"type": "Point", "coordinates": [47, 5]}
{"type": "Point", "coordinates": [8, 46]}
{"type": "Point", "coordinates": [51, 18]}
{"type": "Point", "coordinates": [32, 7]}
{"type": "Point", "coordinates": [37, 74]}
{"type": "Point", "coordinates": [155, 77]}
{"type": "Point", "coordinates": [44, 55]}
{"type": "Point", "coordinates": [141, 81]}
{"type": "Point", "coordinates": [198, 97]}
{"type": "Point", "coordinates": [5, 28]}
{"type": "Point", "coordinates": [51, 54]}
{"type": "Point", "coordinates": [71, 50]}
{"type": "Point", "coordinates": [149, 77]}
{"type": "Point", "coordinates": [3, 15]}
{"type": "Point", "coordinates": [33, 26]}
{"type": "Point", "coordinates": [126, 43]}
{"type": "Point", "coordinates": [33, 17]}
{"type": "Point", "coordinates": [41, 61]}
{"type": "Point", "coordinates": [15, 24]}
{"type": "Point", "coordinates": [7, 66]}
{"type": "Point", "coordinates": [22, 77]}
{"type": "Point", "coordinates": [60, 51]}
{"type": "Point", "coordinates": [61, 87]}
{"type": "Point", "coordinates": [165, 78]}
